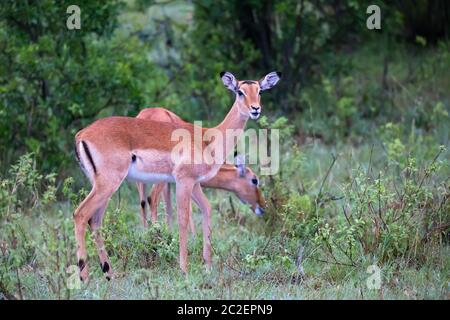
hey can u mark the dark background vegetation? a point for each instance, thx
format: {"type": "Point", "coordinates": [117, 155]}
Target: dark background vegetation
{"type": "Point", "coordinates": [364, 120]}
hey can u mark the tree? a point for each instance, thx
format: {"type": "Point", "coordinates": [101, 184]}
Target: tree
{"type": "Point", "coordinates": [54, 81]}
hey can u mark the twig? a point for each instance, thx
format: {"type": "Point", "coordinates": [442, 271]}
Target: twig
{"type": "Point", "coordinates": [333, 262]}
{"type": "Point", "coordinates": [268, 241]}
{"type": "Point", "coordinates": [349, 257]}
{"type": "Point", "coordinates": [431, 164]}
{"type": "Point", "coordinates": [319, 195]}
{"type": "Point", "coordinates": [326, 175]}
{"type": "Point", "coordinates": [440, 228]}
{"type": "Point", "coordinates": [379, 201]}
{"type": "Point", "coordinates": [216, 253]}
{"type": "Point", "coordinates": [346, 216]}
{"type": "Point", "coordinates": [426, 175]}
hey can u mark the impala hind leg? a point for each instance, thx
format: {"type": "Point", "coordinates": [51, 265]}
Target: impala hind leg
{"type": "Point", "coordinates": [184, 193]}
{"type": "Point", "coordinates": [205, 207]}
{"type": "Point", "coordinates": [154, 200]}
{"type": "Point", "coordinates": [168, 204]}
{"type": "Point", "coordinates": [94, 203]}
{"type": "Point", "coordinates": [141, 189]}
{"type": "Point", "coordinates": [192, 225]}
{"type": "Point", "coordinates": [192, 222]}
{"type": "Point", "coordinates": [96, 223]}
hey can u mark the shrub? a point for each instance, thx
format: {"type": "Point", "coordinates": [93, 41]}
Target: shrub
{"type": "Point", "coordinates": [146, 248]}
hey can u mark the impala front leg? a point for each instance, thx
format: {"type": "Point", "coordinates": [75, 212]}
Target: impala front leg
{"type": "Point", "coordinates": [205, 207]}
{"type": "Point", "coordinates": [184, 194]}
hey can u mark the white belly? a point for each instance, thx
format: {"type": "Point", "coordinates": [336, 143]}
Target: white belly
{"type": "Point", "coordinates": [148, 177]}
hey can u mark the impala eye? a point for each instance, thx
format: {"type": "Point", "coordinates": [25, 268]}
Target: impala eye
{"type": "Point", "coordinates": [255, 181]}
{"type": "Point", "coordinates": [240, 93]}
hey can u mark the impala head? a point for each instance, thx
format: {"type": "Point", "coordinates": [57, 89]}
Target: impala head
{"type": "Point", "coordinates": [248, 92]}
{"type": "Point", "coordinates": [247, 189]}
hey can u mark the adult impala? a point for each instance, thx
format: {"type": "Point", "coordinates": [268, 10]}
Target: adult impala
{"type": "Point", "coordinates": [238, 179]}
{"type": "Point", "coordinates": [114, 148]}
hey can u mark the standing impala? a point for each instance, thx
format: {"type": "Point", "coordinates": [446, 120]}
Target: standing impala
{"type": "Point", "coordinates": [237, 179]}
{"type": "Point", "coordinates": [114, 148]}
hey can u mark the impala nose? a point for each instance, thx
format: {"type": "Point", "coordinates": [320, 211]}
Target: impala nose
{"type": "Point", "coordinates": [259, 211]}
{"type": "Point", "coordinates": [255, 111]}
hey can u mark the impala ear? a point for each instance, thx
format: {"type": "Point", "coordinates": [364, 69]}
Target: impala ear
{"type": "Point", "coordinates": [269, 80]}
{"type": "Point", "coordinates": [229, 80]}
{"type": "Point", "coordinates": [239, 161]}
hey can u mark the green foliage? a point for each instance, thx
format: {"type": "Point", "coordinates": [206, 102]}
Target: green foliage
{"type": "Point", "coordinates": [26, 188]}
{"type": "Point", "coordinates": [149, 248]}
{"type": "Point", "coordinates": [54, 81]}
{"type": "Point", "coordinates": [388, 216]}
{"type": "Point", "coordinates": [24, 191]}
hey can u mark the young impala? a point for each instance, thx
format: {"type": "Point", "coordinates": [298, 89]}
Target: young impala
{"type": "Point", "coordinates": [238, 179]}
{"type": "Point", "coordinates": [114, 148]}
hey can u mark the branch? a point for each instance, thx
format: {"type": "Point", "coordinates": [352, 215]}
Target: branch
{"type": "Point", "coordinates": [439, 228]}
{"type": "Point", "coordinates": [326, 177]}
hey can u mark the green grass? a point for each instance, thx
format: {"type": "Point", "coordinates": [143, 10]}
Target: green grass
{"type": "Point", "coordinates": [425, 283]}
{"type": "Point", "coordinates": [238, 237]}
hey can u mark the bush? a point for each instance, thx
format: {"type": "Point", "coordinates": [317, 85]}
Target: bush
{"type": "Point", "coordinates": [54, 81]}
{"type": "Point", "coordinates": [147, 248]}
{"type": "Point", "coordinates": [398, 213]}
{"type": "Point", "coordinates": [25, 192]}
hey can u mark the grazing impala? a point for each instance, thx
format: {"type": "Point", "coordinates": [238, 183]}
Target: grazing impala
{"type": "Point", "coordinates": [237, 179]}
{"type": "Point", "coordinates": [114, 148]}
{"type": "Point", "coordinates": [240, 180]}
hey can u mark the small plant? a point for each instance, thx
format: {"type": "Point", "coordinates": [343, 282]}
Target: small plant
{"type": "Point", "coordinates": [24, 190]}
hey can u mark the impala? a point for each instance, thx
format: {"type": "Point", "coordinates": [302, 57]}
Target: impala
{"type": "Point", "coordinates": [238, 179]}
{"type": "Point", "coordinates": [114, 148]}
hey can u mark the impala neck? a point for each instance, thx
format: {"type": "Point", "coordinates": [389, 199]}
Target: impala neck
{"type": "Point", "coordinates": [222, 180]}
{"type": "Point", "coordinates": [234, 120]}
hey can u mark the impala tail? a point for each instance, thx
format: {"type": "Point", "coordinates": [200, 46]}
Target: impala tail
{"type": "Point", "coordinates": [84, 158]}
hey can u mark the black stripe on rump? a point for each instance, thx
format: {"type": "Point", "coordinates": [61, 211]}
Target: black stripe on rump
{"type": "Point", "coordinates": [88, 153]}
{"type": "Point", "coordinates": [76, 153]}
